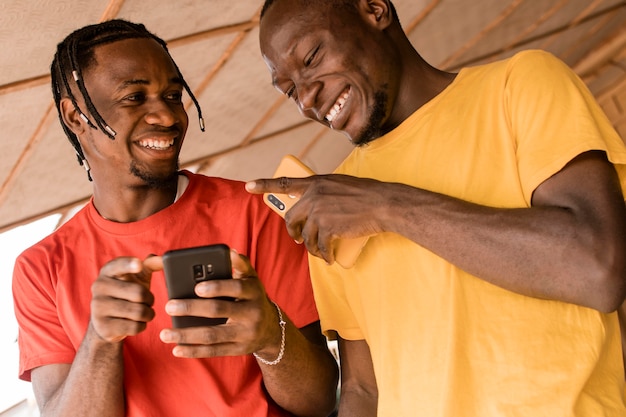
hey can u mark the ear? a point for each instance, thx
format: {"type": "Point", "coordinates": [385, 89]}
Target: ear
{"type": "Point", "coordinates": [377, 12]}
{"type": "Point", "coordinates": [72, 117]}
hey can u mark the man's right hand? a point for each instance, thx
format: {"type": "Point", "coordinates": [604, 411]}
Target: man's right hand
{"type": "Point", "coordinates": [332, 207]}
{"type": "Point", "coordinates": [121, 303]}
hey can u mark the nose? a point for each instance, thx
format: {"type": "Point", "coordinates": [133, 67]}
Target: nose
{"type": "Point", "coordinates": [162, 113]}
{"type": "Point", "coordinates": [307, 97]}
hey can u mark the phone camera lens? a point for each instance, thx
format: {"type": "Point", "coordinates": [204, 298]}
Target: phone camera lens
{"type": "Point", "coordinates": [198, 272]}
{"type": "Point", "coordinates": [276, 202]}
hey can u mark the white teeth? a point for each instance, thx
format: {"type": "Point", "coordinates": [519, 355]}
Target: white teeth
{"type": "Point", "coordinates": [334, 111]}
{"type": "Point", "coordinates": [156, 144]}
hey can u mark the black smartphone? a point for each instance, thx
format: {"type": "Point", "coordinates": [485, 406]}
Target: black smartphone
{"type": "Point", "coordinates": [184, 268]}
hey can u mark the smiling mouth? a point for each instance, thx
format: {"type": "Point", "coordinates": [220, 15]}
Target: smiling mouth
{"type": "Point", "coordinates": [159, 145]}
{"type": "Point", "coordinates": [336, 109]}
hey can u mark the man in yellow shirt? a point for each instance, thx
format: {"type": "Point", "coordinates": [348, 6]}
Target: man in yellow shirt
{"type": "Point", "coordinates": [493, 201]}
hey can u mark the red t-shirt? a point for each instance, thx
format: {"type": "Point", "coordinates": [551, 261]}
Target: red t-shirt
{"type": "Point", "coordinates": [52, 291]}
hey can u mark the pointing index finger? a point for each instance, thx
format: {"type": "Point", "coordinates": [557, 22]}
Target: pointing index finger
{"type": "Point", "coordinates": [282, 185]}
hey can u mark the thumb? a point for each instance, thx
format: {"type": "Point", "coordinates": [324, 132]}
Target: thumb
{"type": "Point", "coordinates": [151, 264]}
{"type": "Point", "coordinates": [241, 265]}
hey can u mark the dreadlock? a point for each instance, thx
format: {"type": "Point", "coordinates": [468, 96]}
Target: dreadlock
{"type": "Point", "coordinates": [75, 54]}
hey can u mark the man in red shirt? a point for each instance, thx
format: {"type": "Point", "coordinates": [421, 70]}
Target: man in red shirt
{"type": "Point", "coordinates": [95, 331]}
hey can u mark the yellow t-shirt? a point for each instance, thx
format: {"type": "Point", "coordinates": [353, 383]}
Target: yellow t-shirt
{"type": "Point", "coordinates": [445, 343]}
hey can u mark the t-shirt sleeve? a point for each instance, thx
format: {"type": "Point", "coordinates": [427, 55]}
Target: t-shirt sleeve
{"type": "Point", "coordinates": [41, 338]}
{"type": "Point", "coordinates": [554, 118]}
{"type": "Point", "coordinates": [334, 305]}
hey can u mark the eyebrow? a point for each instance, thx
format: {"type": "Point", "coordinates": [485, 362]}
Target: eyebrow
{"type": "Point", "coordinates": [140, 81]}
{"type": "Point", "coordinates": [293, 48]}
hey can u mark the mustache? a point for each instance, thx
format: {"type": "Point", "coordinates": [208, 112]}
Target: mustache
{"type": "Point", "coordinates": [164, 129]}
{"type": "Point", "coordinates": [169, 131]}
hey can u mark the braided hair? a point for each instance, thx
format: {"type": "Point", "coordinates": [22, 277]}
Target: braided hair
{"type": "Point", "coordinates": [75, 54]}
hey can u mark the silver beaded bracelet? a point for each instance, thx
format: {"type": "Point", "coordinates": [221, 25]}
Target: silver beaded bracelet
{"type": "Point", "coordinates": [282, 341]}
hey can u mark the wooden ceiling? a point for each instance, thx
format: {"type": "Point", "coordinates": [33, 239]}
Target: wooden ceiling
{"type": "Point", "coordinates": [249, 125]}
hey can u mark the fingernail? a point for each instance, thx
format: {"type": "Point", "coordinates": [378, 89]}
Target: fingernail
{"type": "Point", "coordinates": [136, 264]}
{"type": "Point", "coordinates": [250, 185]}
{"type": "Point", "coordinates": [202, 289]}
{"type": "Point", "coordinates": [165, 335]}
{"type": "Point", "coordinates": [171, 307]}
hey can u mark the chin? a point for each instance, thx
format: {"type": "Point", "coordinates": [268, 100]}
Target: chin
{"type": "Point", "coordinates": [155, 178]}
{"type": "Point", "coordinates": [372, 130]}
{"type": "Point", "coordinates": [368, 135]}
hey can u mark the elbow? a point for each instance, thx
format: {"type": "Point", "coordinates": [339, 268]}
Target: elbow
{"type": "Point", "coordinates": [331, 405]}
{"type": "Point", "coordinates": [323, 401]}
{"type": "Point", "coordinates": [608, 305]}
{"type": "Point", "coordinates": [611, 302]}
{"type": "Point", "coordinates": [597, 274]}
{"type": "Point", "coordinates": [609, 287]}
{"type": "Point", "coordinates": [322, 407]}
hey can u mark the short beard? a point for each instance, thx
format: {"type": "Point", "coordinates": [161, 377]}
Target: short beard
{"type": "Point", "coordinates": [155, 181]}
{"type": "Point", "coordinates": [377, 114]}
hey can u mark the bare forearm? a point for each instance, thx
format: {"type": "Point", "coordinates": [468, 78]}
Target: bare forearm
{"type": "Point", "coordinates": [359, 390]}
{"type": "Point", "coordinates": [545, 252]}
{"type": "Point", "coordinates": [305, 380]}
{"type": "Point", "coordinates": [94, 383]}
{"type": "Point", "coordinates": [357, 405]}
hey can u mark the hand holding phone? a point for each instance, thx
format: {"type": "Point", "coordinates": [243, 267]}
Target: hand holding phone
{"type": "Point", "coordinates": [291, 167]}
{"type": "Point", "coordinates": [184, 268]}
{"type": "Point", "coordinates": [346, 250]}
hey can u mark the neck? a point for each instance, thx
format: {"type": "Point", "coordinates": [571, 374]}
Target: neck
{"type": "Point", "coordinates": [420, 83]}
{"type": "Point", "coordinates": [135, 203]}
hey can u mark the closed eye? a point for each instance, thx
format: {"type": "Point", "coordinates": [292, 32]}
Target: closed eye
{"type": "Point", "coordinates": [291, 92]}
{"type": "Point", "coordinates": [311, 56]}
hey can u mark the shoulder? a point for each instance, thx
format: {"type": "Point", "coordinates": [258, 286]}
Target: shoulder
{"type": "Point", "coordinates": [528, 64]}
{"type": "Point", "coordinates": [534, 65]}
{"type": "Point", "coordinates": [200, 182]}
{"type": "Point", "coordinates": [63, 236]}
{"type": "Point", "coordinates": [225, 194]}
{"type": "Point", "coordinates": [215, 188]}
{"type": "Point", "coordinates": [536, 77]}
{"type": "Point", "coordinates": [534, 56]}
